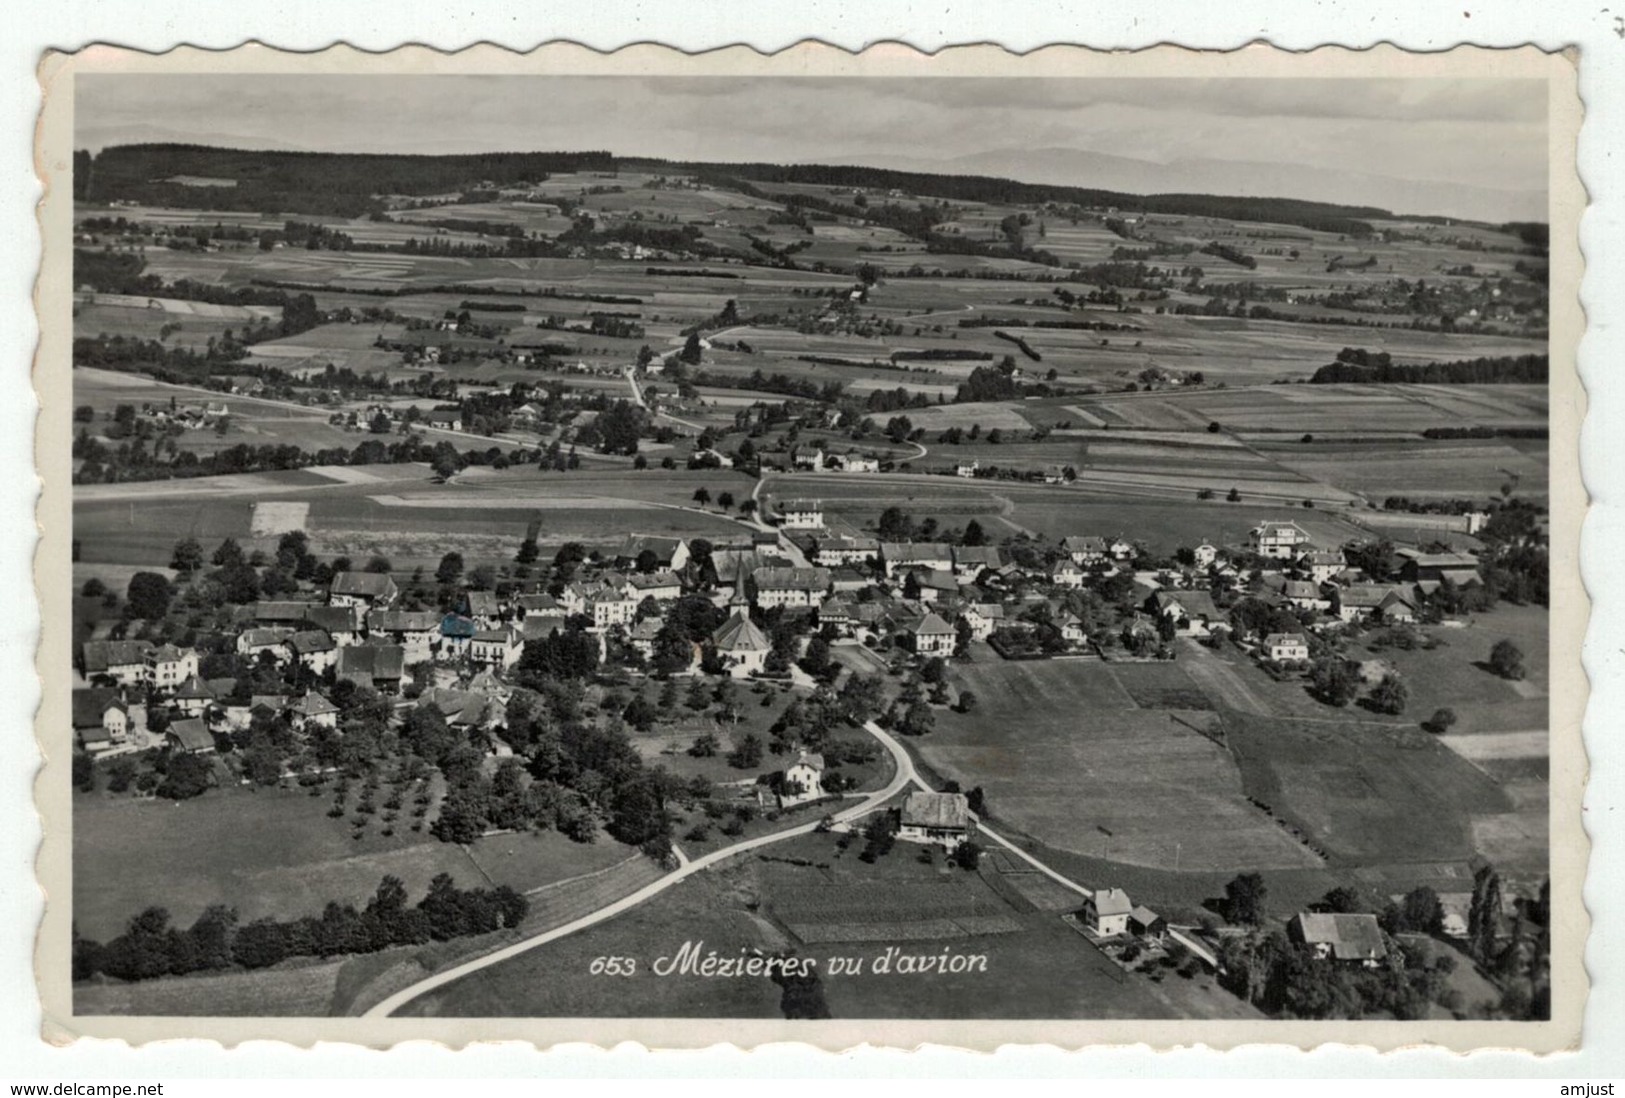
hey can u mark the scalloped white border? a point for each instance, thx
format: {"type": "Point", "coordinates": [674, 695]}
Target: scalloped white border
{"type": "Point", "coordinates": [814, 57]}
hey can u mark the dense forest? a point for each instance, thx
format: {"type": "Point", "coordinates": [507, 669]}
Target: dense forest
{"type": "Point", "coordinates": [341, 184]}
{"type": "Point", "coordinates": [344, 184]}
{"type": "Point", "coordinates": [1354, 365]}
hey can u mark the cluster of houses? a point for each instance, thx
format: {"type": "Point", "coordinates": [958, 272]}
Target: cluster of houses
{"type": "Point", "coordinates": [816, 459]}
{"type": "Point", "coordinates": [927, 598]}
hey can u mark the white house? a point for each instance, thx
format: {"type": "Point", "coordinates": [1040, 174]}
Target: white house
{"type": "Point", "coordinates": [802, 514]}
{"type": "Point", "coordinates": [1286, 647]}
{"type": "Point", "coordinates": [611, 608]}
{"type": "Point", "coordinates": [1107, 912]}
{"type": "Point", "coordinates": [496, 647]}
{"type": "Point", "coordinates": [931, 636]}
{"type": "Point", "coordinates": [1282, 540]}
{"type": "Point", "coordinates": [167, 666]}
{"type": "Point", "coordinates": [916, 554]}
{"type": "Point", "coordinates": [803, 779]}
{"type": "Point", "coordinates": [1205, 554]}
{"type": "Point", "coordinates": [790, 586]}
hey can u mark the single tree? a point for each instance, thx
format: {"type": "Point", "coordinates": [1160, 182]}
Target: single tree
{"type": "Point", "coordinates": [1244, 899]}
{"type": "Point", "coordinates": [1506, 660]}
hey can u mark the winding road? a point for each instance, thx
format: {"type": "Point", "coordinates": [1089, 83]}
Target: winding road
{"type": "Point", "coordinates": [905, 777]}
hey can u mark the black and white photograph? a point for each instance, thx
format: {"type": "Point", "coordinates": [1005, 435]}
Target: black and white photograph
{"type": "Point", "coordinates": [753, 546]}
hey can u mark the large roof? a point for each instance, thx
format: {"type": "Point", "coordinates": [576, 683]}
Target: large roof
{"type": "Point", "coordinates": [1351, 937]}
{"type": "Point", "coordinates": [100, 655]}
{"type": "Point", "coordinates": [371, 585]}
{"type": "Point", "coordinates": [380, 661]}
{"type": "Point", "coordinates": [402, 621]}
{"type": "Point", "coordinates": [739, 634]}
{"type": "Point", "coordinates": [791, 579]}
{"type": "Point", "coordinates": [1112, 901]}
{"type": "Point", "coordinates": [89, 706]}
{"type": "Point", "coordinates": [936, 810]}
{"type": "Point", "coordinates": [906, 551]}
{"type": "Point", "coordinates": [192, 733]}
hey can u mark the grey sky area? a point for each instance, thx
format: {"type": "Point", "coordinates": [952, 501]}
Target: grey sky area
{"type": "Point", "coordinates": [1465, 148]}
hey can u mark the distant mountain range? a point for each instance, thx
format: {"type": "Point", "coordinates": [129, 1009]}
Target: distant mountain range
{"type": "Point", "coordinates": [1082, 168]}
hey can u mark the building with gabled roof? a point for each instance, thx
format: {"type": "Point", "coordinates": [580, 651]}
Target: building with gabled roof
{"type": "Point", "coordinates": [939, 818]}
{"type": "Point", "coordinates": [369, 589]}
{"type": "Point", "coordinates": [1107, 912]}
{"type": "Point", "coordinates": [790, 586]}
{"type": "Point", "coordinates": [741, 646]}
{"type": "Point", "coordinates": [379, 666]}
{"type": "Point", "coordinates": [916, 554]}
{"type": "Point", "coordinates": [801, 514]}
{"type": "Point", "coordinates": [1279, 539]}
{"type": "Point", "coordinates": [101, 720]}
{"type": "Point", "coordinates": [803, 779]}
{"type": "Point", "coordinates": [312, 648]}
{"type": "Point", "coordinates": [125, 662]}
{"type": "Point", "coordinates": [313, 710]}
{"type": "Point", "coordinates": [1351, 938]}
{"type": "Point", "coordinates": [671, 554]}
{"type": "Point", "coordinates": [191, 736]}
{"type": "Point", "coordinates": [931, 636]}
{"type": "Point", "coordinates": [414, 630]}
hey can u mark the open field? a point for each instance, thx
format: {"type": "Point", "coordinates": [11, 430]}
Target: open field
{"type": "Point", "coordinates": [1366, 794]}
{"type": "Point", "coordinates": [1041, 969]}
{"type": "Point", "coordinates": [276, 852]}
{"type": "Point", "coordinates": [1084, 768]}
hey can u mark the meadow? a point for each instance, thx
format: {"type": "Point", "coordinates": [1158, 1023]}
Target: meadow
{"type": "Point", "coordinates": [1085, 768]}
{"type": "Point", "coordinates": [276, 852]}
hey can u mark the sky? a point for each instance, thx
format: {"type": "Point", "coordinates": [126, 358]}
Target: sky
{"type": "Point", "coordinates": [1470, 148]}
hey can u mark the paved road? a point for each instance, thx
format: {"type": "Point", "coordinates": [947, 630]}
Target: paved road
{"type": "Point", "coordinates": [904, 777]}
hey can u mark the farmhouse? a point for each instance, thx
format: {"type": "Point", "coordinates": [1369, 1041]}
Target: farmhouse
{"type": "Point", "coordinates": [853, 463]}
{"type": "Point", "coordinates": [660, 586]}
{"type": "Point", "coordinates": [1286, 647]}
{"type": "Point", "coordinates": [931, 636]}
{"type": "Point", "coordinates": [935, 818]}
{"type": "Point", "coordinates": [125, 662]}
{"type": "Point", "coordinates": [670, 554]}
{"type": "Point", "coordinates": [413, 630]}
{"type": "Point", "coordinates": [379, 666]}
{"type": "Point", "coordinates": [191, 736]}
{"type": "Point", "coordinates": [802, 514]}
{"type": "Point", "coordinates": [1191, 612]}
{"type": "Point", "coordinates": [966, 469]}
{"type": "Point", "coordinates": [193, 698]}
{"type": "Point", "coordinates": [342, 623]}
{"type": "Point", "coordinates": [252, 642]}
{"type": "Point", "coordinates": [1107, 912]}
{"type": "Point", "coordinates": [313, 649]}
{"type": "Point", "coordinates": [971, 561]}
{"type": "Point", "coordinates": [1323, 564]}
{"type": "Point", "coordinates": [366, 589]}
{"type": "Point", "coordinates": [839, 614]}
{"type": "Point", "coordinates": [1281, 540]}
{"type": "Point", "coordinates": [1366, 601]}
{"type": "Point", "coordinates": [741, 646]}
{"type": "Point", "coordinates": [101, 720]}
{"type": "Point", "coordinates": [313, 711]}
{"type": "Point", "coordinates": [1305, 595]}
{"type": "Point", "coordinates": [916, 554]}
{"type": "Point", "coordinates": [836, 549]}
{"type": "Point", "coordinates": [1085, 551]}
{"type": "Point", "coordinates": [1431, 569]}
{"type": "Point", "coordinates": [803, 780]}
{"type": "Point", "coordinates": [466, 710]}
{"type": "Point", "coordinates": [790, 586]}
{"type": "Point", "coordinates": [483, 607]}
{"type": "Point", "coordinates": [1353, 939]}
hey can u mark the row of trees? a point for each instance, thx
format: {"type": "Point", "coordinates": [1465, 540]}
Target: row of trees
{"type": "Point", "coordinates": [151, 946]}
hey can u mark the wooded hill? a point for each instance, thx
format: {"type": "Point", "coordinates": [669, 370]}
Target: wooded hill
{"type": "Point", "coordinates": [344, 184]}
